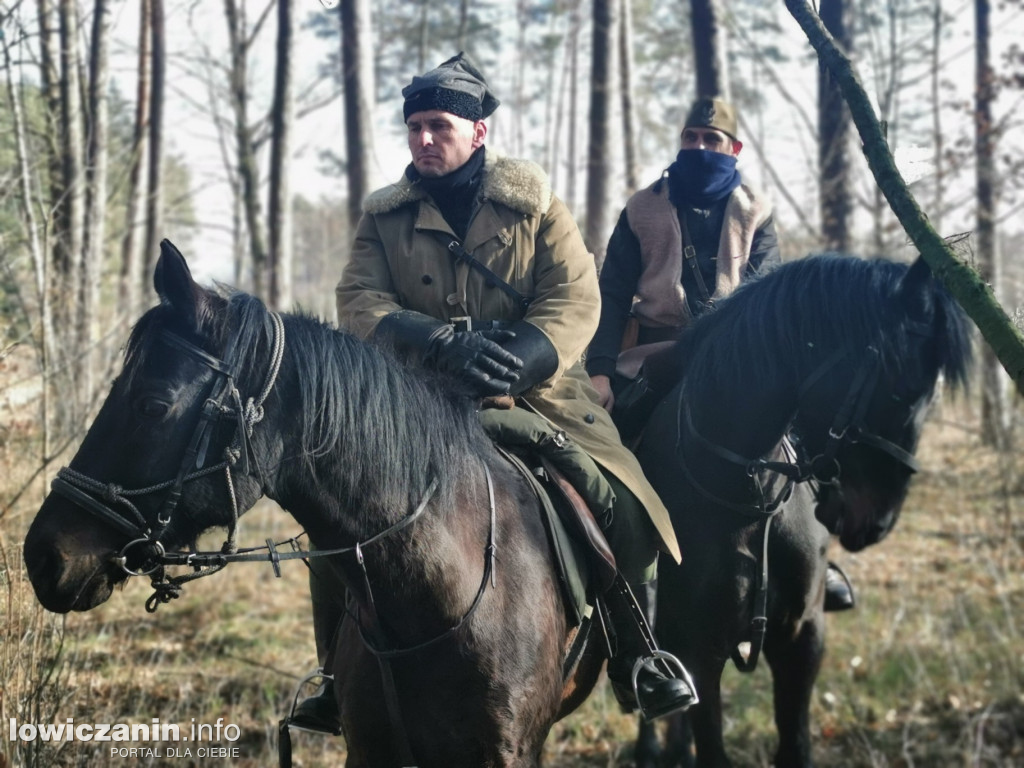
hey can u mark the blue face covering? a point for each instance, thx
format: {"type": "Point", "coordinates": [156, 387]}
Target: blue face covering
{"type": "Point", "coordinates": [700, 177]}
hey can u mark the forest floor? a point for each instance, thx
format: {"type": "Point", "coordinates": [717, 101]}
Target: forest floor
{"type": "Point", "coordinates": [928, 670]}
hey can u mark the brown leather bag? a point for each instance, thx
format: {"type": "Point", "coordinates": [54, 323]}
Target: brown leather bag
{"type": "Point", "coordinates": [630, 334]}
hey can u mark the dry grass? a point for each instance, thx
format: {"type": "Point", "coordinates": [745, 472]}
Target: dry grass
{"type": "Point", "coordinates": [927, 671]}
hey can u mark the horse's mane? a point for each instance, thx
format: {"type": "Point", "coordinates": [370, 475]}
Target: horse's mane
{"type": "Point", "coordinates": [840, 301]}
{"type": "Point", "coordinates": [362, 415]}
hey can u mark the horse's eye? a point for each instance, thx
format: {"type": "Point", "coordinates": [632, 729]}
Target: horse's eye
{"type": "Point", "coordinates": [152, 407]}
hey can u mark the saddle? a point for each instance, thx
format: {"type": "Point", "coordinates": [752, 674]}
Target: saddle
{"type": "Point", "coordinates": [574, 495]}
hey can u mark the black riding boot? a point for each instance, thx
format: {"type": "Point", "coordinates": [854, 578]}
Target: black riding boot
{"type": "Point", "coordinates": [320, 711]}
{"type": "Point", "coordinates": [838, 589]}
{"type": "Point", "coordinates": [642, 676]}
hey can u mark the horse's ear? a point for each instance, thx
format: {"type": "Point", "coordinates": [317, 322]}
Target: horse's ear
{"type": "Point", "coordinates": [915, 289]}
{"type": "Point", "coordinates": [173, 280]}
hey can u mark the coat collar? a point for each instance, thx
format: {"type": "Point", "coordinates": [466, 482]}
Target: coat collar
{"type": "Point", "coordinates": [517, 184]}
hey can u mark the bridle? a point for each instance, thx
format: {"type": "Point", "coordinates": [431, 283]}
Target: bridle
{"type": "Point", "coordinates": [222, 401]}
{"type": "Point", "coordinates": [847, 428]}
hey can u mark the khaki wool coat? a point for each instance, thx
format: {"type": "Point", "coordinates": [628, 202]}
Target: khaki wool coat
{"type": "Point", "coordinates": [525, 235]}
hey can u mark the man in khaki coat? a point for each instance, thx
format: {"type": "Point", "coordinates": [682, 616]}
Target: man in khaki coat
{"type": "Point", "coordinates": [519, 325]}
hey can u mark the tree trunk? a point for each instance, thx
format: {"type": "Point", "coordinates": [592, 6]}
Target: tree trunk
{"type": "Point", "coordinates": [357, 75]}
{"type": "Point", "coordinates": [833, 137]}
{"type": "Point", "coordinates": [575, 25]}
{"type": "Point", "coordinates": [709, 48]}
{"type": "Point", "coordinates": [246, 153]}
{"type": "Point", "coordinates": [154, 186]}
{"type": "Point", "coordinates": [937, 138]}
{"type": "Point", "coordinates": [994, 410]}
{"type": "Point", "coordinates": [424, 40]}
{"type": "Point", "coordinates": [463, 24]}
{"type": "Point", "coordinates": [280, 209]}
{"type": "Point", "coordinates": [45, 344]}
{"type": "Point", "coordinates": [70, 208]}
{"type": "Point", "coordinates": [626, 90]}
{"type": "Point", "coordinates": [96, 190]}
{"type": "Point", "coordinates": [132, 244]}
{"type": "Point", "coordinates": [598, 223]}
{"type": "Point", "coordinates": [969, 289]}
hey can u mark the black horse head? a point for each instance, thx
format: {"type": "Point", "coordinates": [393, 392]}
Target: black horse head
{"type": "Point", "coordinates": [908, 332]}
{"type": "Point", "coordinates": [148, 473]}
{"type": "Point", "coordinates": [350, 439]}
{"type": "Point", "coordinates": [844, 354]}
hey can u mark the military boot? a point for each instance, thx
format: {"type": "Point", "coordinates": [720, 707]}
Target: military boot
{"type": "Point", "coordinates": [838, 589]}
{"type": "Point", "coordinates": [642, 676]}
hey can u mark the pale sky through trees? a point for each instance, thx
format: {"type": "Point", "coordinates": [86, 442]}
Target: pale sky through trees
{"type": "Point", "coordinates": [782, 129]}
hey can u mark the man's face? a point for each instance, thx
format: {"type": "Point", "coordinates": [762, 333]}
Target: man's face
{"type": "Point", "coordinates": [710, 139]}
{"type": "Point", "coordinates": [441, 142]}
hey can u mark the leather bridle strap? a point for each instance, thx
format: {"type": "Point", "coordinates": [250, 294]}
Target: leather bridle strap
{"type": "Point", "coordinates": [848, 424]}
{"type": "Point", "coordinates": [97, 497]}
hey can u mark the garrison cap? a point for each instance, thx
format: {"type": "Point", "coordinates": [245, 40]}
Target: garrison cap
{"type": "Point", "coordinates": [707, 112]}
{"type": "Point", "coordinates": [456, 86]}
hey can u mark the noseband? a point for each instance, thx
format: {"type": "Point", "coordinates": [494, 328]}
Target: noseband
{"type": "Point", "coordinates": [224, 400]}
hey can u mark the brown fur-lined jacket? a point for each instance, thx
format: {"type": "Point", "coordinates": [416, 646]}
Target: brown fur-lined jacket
{"type": "Point", "coordinates": [525, 235]}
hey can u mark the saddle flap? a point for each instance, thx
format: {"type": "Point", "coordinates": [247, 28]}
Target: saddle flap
{"type": "Point", "coordinates": [566, 550]}
{"type": "Point", "coordinates": [578, 516]}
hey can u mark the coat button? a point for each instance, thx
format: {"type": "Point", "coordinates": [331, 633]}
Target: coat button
{"type": "Point", "coordinates": [589, 418]}
{"type": "Point", "coordinates": [427, 279]}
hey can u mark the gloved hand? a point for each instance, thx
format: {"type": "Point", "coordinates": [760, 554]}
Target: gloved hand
{"type": "Point", "coordinates": [529, 344]}
{"type": "Point", "coordinates": [475, 358]}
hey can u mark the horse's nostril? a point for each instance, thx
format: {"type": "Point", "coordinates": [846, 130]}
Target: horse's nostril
{"type": "Point", "coordinates": [45, 565]}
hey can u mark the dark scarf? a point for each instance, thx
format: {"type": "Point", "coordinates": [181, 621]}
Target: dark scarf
{"type": "Point", "coordinates": [699, 178]}
{"type": "Point", "coordinates": [454, 193]}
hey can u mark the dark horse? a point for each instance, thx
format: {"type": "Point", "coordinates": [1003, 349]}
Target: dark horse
{"type": "Point", "coordinates": [448, 568]}
{"type": "Point", "coordinates": [842, 355]}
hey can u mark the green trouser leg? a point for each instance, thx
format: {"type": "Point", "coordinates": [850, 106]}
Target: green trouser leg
{"type": "Point", "coordinates": [632, 537]}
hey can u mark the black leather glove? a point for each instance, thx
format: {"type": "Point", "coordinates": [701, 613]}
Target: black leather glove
{"type": "Point", "coordinates": [479, 361]}
{"type": "Point", "coordinates": [529, 344]}
{"type": "Point", "coordinates": [475, 358]}
{"type": "Point", "coordinates": [411, 333]}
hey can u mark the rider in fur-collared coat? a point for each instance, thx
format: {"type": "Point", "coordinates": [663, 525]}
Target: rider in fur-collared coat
{"type": "Point", "coordinates": [528, 238]}
{"type": "Point", "coordinates": [519, 327]}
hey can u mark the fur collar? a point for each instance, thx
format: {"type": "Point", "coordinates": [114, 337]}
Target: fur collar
{"type": "Point", "coordinates": [517, 184]}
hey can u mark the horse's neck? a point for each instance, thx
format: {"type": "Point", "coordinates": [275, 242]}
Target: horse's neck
{"type": "Point", "coordinates": [748, 418]}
